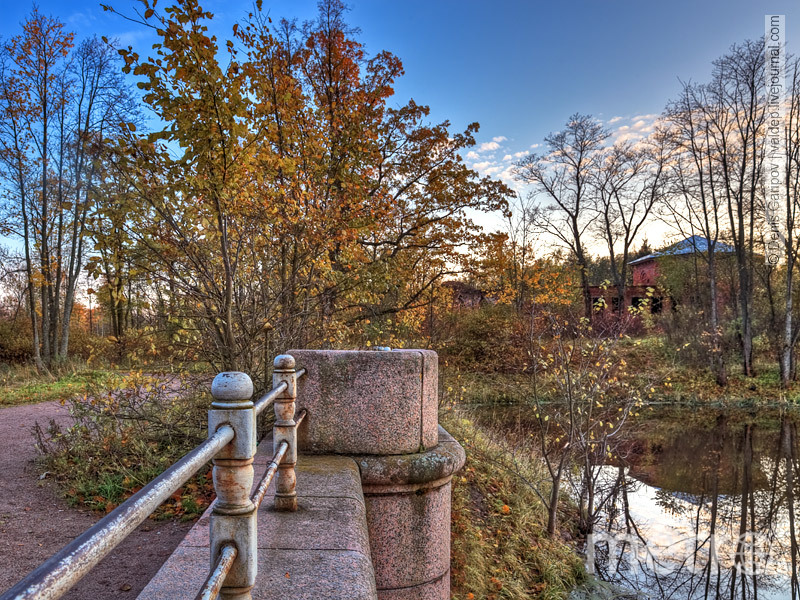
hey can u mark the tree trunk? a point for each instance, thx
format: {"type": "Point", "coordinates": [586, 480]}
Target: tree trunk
{"type": "Point", "coordinates": [552, 509]}
{"type": "Point", "coordinates": [717, 359]}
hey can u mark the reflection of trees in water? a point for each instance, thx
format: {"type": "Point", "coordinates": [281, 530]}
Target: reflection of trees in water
{"type": "Point", "coordinates": [701, 563]}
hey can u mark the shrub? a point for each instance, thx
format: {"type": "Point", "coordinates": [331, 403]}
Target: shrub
{"type": "Point", "coordinates": [16, 341]}
{"type": "Point", "coordinates": [481, 338]}
{"type": "Point", "coordinates": [123, 439]}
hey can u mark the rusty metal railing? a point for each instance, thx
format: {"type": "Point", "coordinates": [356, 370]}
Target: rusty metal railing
{"type": "Point", "coordinates": [231, 445]}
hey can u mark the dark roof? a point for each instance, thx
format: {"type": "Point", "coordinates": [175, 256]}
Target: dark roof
{"type": "Point", "coordinates": [690, 245]}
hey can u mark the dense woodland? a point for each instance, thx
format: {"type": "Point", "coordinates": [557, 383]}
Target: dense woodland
{"type": "Point", "coordinates": [217, 201]}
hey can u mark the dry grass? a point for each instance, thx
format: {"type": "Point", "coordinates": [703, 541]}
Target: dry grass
{"type": "Point", "coordinates": [500, 548]}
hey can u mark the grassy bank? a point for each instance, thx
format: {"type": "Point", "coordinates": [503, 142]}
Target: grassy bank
{"type": "Point", "coordinates": [21, 384]}
{"type": "Point", "coordinates": [500, 549]}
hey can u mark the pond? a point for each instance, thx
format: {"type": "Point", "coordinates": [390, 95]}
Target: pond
{"type": "Point", "coordinates": [700, 506]}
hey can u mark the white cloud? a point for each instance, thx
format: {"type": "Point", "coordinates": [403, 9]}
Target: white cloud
{"type": "Point", "coordinates": [129, 38]}
{"type": "Point", "coordinates": [80, 19]}
{"type": "Point", "coordinates": [488, 147]}
{"type": "Point", "coordinates": [508, 157]}
{"type": "Point", "coordinates": [614, 120]}
{"type": "Point", "coordinates": [481, 165]}
{"type": "Point", "coordinates": [472, 155]}
{"type": "Point", "coordinates": [630, 136]}
{"type": "Point", "coordinates": [535, 145]}
{"type": "Point", "coordinates": [521, 154]}
{"type": "Point", "coordinates": [639, 124]}
{"type": "Point", "coordinates": [499, 138]}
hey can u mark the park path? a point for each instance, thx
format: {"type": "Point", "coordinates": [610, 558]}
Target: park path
{"type": "Point", "coordinates": [35, 522]}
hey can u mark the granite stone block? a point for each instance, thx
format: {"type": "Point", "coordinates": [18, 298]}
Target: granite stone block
{"type": "Point", "coordinates": [366, 402]}
{"type": "Point", "coordinates": [439, 462]}
{"type": "Point", "coordinates": [430, 397]}
{"type": "Point", "coordinates": [320, 551]}
{"type": "Point", "coordinates": [314, 575]}
{"type": "Point", "coordinates": [181, 577]}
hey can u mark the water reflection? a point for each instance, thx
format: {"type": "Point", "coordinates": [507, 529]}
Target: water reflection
{"type": "Point", "coordinates": [707, 514]}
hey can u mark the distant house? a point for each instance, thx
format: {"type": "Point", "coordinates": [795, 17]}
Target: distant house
{"type": "Point", "coordinates": [645, 275]}
{"type": "Point", "coordinates": [466, 295]}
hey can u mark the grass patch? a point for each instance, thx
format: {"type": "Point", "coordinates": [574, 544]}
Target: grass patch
{"type": "Point", "coordinates": [500, 547]}
{"type": "Point", "coordinates": [23, 385]}
{"type": "Point", "coordinates": [123, 439]}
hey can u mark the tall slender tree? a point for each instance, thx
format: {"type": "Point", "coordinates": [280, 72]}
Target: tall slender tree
{"type": "Point", "coordinates": [562, 177]}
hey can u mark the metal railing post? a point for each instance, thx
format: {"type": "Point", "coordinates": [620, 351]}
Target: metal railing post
{"type": "Point", "coordinates": [285, 431]}
{"type": "Point", "coordinates": [233, 519]}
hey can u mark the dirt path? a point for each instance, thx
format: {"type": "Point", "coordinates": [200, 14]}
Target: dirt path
{"type": "Point", "coordinates": [35, 522]}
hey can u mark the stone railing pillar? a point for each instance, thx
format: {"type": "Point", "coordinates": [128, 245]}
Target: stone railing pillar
{"type": "Point", "coordinates": [284, 430]}
{"type": "Point", "coordinates": [381, 408]}
{"type": "Point", "coordinates": [233, 519]}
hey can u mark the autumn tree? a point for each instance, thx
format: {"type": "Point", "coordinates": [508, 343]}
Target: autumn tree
{"type": "Point", "coordinates": [284, 200]}
{"type": "Point", "coordinates": [582, 400]}
{"type": "Point", "coordinates": [57, 103]}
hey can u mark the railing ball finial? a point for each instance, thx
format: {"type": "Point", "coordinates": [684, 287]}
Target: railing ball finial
{"type": "Point", "coordinates": [231, 387]}
{"type": "Point", "coordinates": [284, 362]}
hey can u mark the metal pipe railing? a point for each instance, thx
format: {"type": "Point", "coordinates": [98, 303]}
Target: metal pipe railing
{"type": "Point", "coordinates": [216, 578]}
{"type": "Point", "coordinates": [267, 399]}
{"type": "Point", "coordinates": [231, 445]}
{"type": "Point", "coordinates": [261, 490]}
{"type": "Point", "coordinates": [64, 569]}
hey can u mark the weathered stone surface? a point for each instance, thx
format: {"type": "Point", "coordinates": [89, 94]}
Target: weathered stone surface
{"type": "Point", "coordinates": [432, 590]}
{"type": "Point", "coordinates": [181, 577]}
{"type": "Point", "coordinates": [430, 397]}
{"type": "Point", "coordinates": [286, 574]}
{"type": "Point", "coordinates": [232, 386]}
{"type": "Point", "coordinates": [314, 575]}
{"type": "Point", "coordinates": [323, 547]}
{"type": "Point", "coordinates": [367, 402]}
{"type": "Point", "coordinates": [313, 476]}
{"type": "Point", "coordinates": [409, 536]}
{"type": "Point", "coordinates": [439, 462]}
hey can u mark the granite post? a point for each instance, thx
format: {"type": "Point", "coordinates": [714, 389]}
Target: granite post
{"type": "Point", "coordinates": [381, 408]}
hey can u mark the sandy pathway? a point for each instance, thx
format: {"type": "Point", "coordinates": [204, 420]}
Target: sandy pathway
{"type": "Point", "coordinates": [35, 522]}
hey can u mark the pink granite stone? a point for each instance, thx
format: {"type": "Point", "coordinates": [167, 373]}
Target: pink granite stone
{"type": "Point", "coordinates": [366, 402]}
{"type": "Point", "coordinates": [430, 397]}
{"type": "Point", "coordinates": [409, 535]}
{"type": "Point", "coordinates": [439, 462]}
{"type": "Point", "coordinates": [438, 589]}
{"type": "Point", "coordinates": [320, 551]}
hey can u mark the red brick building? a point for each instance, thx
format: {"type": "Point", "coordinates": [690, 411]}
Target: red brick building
{"type": "Point", "coordinates": [645, 276]}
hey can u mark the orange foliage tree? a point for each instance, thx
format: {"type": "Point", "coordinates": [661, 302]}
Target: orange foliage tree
{"type": "Point", "coordinates": [284, 201]}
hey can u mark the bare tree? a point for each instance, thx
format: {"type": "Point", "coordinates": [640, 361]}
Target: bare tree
{"type": "Point", "coordinates": [56, 107]}
{"type": "Point", "coordinates": [790, 329]}
{"type": "Point", "coordinates": [563, 177]}
{"type": "Point", "coordinates": [630, 181]}
{"type": "Point", "coordinates": [734, 115]}
{"type": "Point", "coordinates": [694, 202]}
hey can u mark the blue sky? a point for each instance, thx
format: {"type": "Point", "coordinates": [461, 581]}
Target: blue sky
{"type": "Point", "coordinates": [519, 68]}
